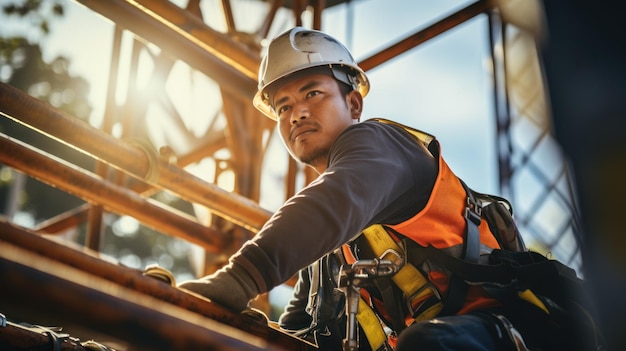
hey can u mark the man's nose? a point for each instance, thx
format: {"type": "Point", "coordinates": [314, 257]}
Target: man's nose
{"type": "Point", "coordinates": [300, 112]}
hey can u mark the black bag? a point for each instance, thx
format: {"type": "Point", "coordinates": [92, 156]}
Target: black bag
{"type": "Point", "coordinates": [562, 318]}
{"type": "Point", "coordinates": [514, 275]}
{"type": "Point", "coordinates": [543, 298]}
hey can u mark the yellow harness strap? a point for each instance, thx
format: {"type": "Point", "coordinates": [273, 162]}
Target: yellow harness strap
{"type": "Point", "coordinates": [409, 279]}
{"type": "Point", "coordinates": [370, 324]}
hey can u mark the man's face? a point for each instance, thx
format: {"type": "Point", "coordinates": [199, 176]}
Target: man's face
{"type": "Point", "coordinates": [311, 113]}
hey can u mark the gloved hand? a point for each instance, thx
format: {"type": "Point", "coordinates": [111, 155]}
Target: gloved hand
{"type": "Point", "coordinates": [255, 315]}
{"type": "Point", "coordinates": [230, 287]}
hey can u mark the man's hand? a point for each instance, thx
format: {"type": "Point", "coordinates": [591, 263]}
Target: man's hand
{"type": "Point", "coordinates": [227, 287]}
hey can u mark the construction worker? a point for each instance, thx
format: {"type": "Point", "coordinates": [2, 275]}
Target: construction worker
{"type": "Point", "coordinates": [370, 172]}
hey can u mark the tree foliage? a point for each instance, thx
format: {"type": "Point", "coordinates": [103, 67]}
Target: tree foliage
{"type": "Point", "coordinates": [22, 66]}
{"type": "Point", "coordinates": [38, 12]}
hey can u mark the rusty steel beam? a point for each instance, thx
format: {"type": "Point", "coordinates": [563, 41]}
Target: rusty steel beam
{"type": "Point", "coordinates": [269, 18]}
{"type": "Point", "coordinates": [56, 172]}
{"type": "Point", "coordinates": [186, 37]}
{"type": "Point", "coordinates": [426, 34]}
{"type": "Point", "coordinates": [132, 158]}
{"type": "Point", "coordinates": [92, 263]}
{"type": "Point", "coordinates": [228, 16]}
{"type": "Point", "coordinates": [19, 337]}
{"type": "Point", "coordinates": [318, 8]}
{"type": "Point", "coordinates": [64, 221]}
{"type": "Point", "coordinates": [75, 297]}
{"type": "Point", "coordinates": [78, 215]}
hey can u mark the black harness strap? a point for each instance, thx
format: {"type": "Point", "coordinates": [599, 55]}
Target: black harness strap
{"type": "Point", "coordinates": [392, 299]}
{"type": "Point", "coordinates": [457, 288]}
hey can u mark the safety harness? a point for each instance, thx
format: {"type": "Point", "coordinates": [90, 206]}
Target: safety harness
{"type": "Point", "coordinates": [423, 300]}
{"type": "Point", "coordinates": [404, 295]}
{"type": "Point", "coordinates": [408, 296]}
{"type": "Point", "coordinates": [513, 276]}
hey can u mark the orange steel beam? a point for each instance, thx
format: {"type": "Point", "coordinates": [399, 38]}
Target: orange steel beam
{"type": "Point", "coordinates": [53, 171]}
{"type": "Point", "coordinates": [131, 158]}
{"type": "Point", "coordinates": [90, 262]}
{"type": "Point", "coordinates": [426, 34]}
{"type": "Point", "coordinates": [75, 297]}
{"type": "Point", "coordinates": [186, 37]}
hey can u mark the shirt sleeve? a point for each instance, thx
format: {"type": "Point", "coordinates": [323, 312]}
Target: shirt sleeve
{"type": "Point", "coordinates": [295, 316]}
{"type": "Point", "coordinates": [377, 173]}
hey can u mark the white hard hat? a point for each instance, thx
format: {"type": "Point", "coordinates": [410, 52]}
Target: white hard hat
{"type": "Point", "coordinates": [298, 49]}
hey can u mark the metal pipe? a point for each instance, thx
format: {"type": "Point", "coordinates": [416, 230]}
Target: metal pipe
{"type": "Point", "coordinates": [426, 34]}
{"type": "Point", "coordinates": [19, 337]}
{"type": "Point", "coordinates": [264, 28]}
{"type": "Point", "coordinates": [92, 263]}
{"type": "Point", "coordinates": [64, 221]}
{"type": "Point", "coordinates": [95, 226]}
{"type": "Point", "coordinates": [318, 8]}
{"type": "Point", "coordinates": [78, 182]}
{"type": "Point", "coordinates": [178, 32]}
{"type": "Point", "coordinates": [132, 158]}
{"type": "Point", "coordinates": [77, 298]}
{"type": "Point", "coordinates": [228, 17]}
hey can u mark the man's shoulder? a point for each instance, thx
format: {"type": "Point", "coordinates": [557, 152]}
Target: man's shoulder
{"type": "Point", "coordinates": [378, 133]}
{"type": "Point", "coordinates": [370, 129]}
{"type": "Point", "coordinates": [383, 124]}
{"type": "Point", "coordinates": [374, 124]}
{"type": "Point", "coordinates": [382, 127]}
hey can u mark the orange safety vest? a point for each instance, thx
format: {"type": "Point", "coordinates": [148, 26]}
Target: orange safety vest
{"type": "Point", "coordinates": [442, 224]}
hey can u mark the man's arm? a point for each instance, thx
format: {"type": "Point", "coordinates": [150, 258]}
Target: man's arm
{"type": "Point", "coordinates": [373, 175]}
{"type": "Point", "coordinates": [295, 316]}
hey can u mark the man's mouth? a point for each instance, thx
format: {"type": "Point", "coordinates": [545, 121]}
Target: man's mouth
{"type": "Point", "coordinates": [300, 132]}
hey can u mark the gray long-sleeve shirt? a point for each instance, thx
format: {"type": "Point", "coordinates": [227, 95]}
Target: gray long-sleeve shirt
{"type": "Point", "coordinates": [377, 173]}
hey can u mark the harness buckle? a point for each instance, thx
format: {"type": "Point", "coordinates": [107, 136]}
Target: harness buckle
{"type": "Point", "coordinates": [512, 333]}
{"type": "Point", "coordinates": [473, 211]}
{"type": "Point", "coordinates": [409, 300]}
{"type": "Point", "coordinates": [398, 261]}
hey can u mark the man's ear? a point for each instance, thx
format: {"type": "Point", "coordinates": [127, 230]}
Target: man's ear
{"type": "Point", "coordinates": [355, 103]}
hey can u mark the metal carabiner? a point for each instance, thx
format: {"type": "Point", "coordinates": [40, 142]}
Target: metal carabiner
{"type": "Point", "coordinates": [352, 278]}
{"type": "Point", "coordinates": [374, 268]}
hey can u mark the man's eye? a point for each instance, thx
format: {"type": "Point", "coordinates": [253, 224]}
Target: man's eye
{"type": "Point", "coordinates": [282, 109]}
{"type": "Point", "coordinates": [312, 93]}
